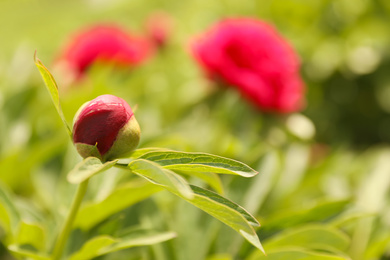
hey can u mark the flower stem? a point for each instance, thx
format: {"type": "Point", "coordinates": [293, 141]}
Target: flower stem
{"type": "Point", "coordinates": [63, 237]}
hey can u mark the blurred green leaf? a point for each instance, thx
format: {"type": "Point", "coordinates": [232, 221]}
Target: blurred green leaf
{"type": "Point", "coordinates": [102, 245]}
{"type": "Point", "coordinates": [4, 218]}
{"type": "Point", "coordinates": [141, 240]}
{"type": "Point", "coordinates": [27, 253]}
{"type": "Point", "coordinates": [220, 257]}
{"type": "Point", "coordinates": [287, 218]}
{"type": "Point", "coordinates": [92, 248]}
{"type": "Point", "coordinates": [160, 176]}
{"type": "Point", "coordinates": [312, 237]}
{"type": "Point", "coordinates": [199, 162]}
{"type": "Point", "coordinates": [52, 88]}
{"type": "Point", "coordinates": [11, 216]}
{"type": "Point", "coordinates": [87, 168]}
{"type": "Point", "coordinates": [295, 254]}
{"type": "Point", "coordinates": [122, 197]}
{"type": "Point", "coordinates": [31, 234]}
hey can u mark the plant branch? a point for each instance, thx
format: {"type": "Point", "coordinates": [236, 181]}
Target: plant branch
{"type": "Point", "coordinates": [63, 237]}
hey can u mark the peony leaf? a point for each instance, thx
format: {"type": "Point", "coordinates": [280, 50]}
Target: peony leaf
{"type": "Point", "coordinates": [315, 237]}
{"type": "Point", "coordinates": [227, 212]}
{"type": "Point", "coordinates": [210, 178]}
{"type": "Point", "coordinates": [295, 254]}
{"type": "Point", "coordinates": [15, 249]}
{"type": "Point", "coordinates": [199, 162]}
{"type": "Point", "coordinates": [10, 217]}
{"type": "Point", "coordinates": [31, 234]}
{"type": "Point", "coordinates": [122, 197]}
{"type": "Point", "coordinates": [139, 240]}
{"type": "Point", "coordinates": [87, 168]}
{"type": "Point", "coordinates": [142, 151]}
{"type": "Point", "coordinates": [217, 206]}
{"type": "Point", "coordinates": [92, 248]}
{"type": "Point", "coordinates": [162, 177]}
{"type": "Point", "coordinates": [104, 244]}
{"type": "Point", "coordinates": [52, 87]}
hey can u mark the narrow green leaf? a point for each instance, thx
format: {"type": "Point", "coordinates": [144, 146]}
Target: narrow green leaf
{"type": "Point", "coordinates": [142, 151]}
{"type": "Point", "coordinates": [122, 197]}
{"type": "Point", "coordinates": [31, 234]}
{"type": "Point", "coordinates": [5, 222]}
{"type": "Point", "coordinates": [220, 257]}
{"type": "Point", "coordinates": [92, 248]}
{"type": "Point", "coordinates": [15, 249]}
{"type": "Point", "coordinates": [222, 209]}
{"type": "Point", "coordinates": [295, 254]}
{"type": "Point", "coordinates": [227, 212]}
{"type": "Point", "coordinates": [319, 212]}
{"type": "Point", "coordinates": [210, 178]}
{"type": "Point", "coordinates": [87, 168]}
{"type": "Point", "coordinates": [218, 198]}
{"type": "Point", "coordinates": [143, 240]}
{"type": "Point", "coordinates": [52, 87]}
{"type": "Point", "coordinates": [102, 245]}
{"type": "Point", "coordinates": [160, 176]}
{"type": "Point", "coordinates": [12, 217]}
{"type": "Point", "coordinates": [312, 236]}
{"type": "Point", "coordinates": [199, 162]}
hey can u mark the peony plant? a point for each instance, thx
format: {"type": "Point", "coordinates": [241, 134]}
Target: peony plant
{"type": "Point", "coordinates": [106, 134]}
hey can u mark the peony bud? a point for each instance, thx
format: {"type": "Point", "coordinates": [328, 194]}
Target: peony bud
{"type": "Point", "coordinates": [105, 127]}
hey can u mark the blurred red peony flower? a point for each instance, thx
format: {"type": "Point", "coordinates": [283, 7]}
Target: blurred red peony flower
{"type": "Point", "coordinates": [250, 55]}
{"type": "Point", "coordinates": [104, 43]}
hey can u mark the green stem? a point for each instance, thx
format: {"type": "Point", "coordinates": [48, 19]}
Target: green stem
{"type": "Point", "coordinates": [63, 237]}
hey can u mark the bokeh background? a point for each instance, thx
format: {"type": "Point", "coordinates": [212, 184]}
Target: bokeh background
{"type": "Point", "coordinates": [327, 165]}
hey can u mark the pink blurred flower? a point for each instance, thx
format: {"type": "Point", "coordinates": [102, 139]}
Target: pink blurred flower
{"type": "Point", "coordinates": [159, 28]}
{"type": "Point", "coordinates": [104, 43]}
{"type": "Point", "coordinates": [251, 56]}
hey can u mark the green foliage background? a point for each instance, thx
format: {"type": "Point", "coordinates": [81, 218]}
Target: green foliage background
{"type": "Point", "coordinates": [326, 194]}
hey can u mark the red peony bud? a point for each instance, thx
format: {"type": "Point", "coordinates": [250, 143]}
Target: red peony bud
{"type": "Point", "coordinates": [105, 43]}
{"type": "Point", "coordinates": [251, 56]}
{"type": "Point", "coordinates": [105, 127]}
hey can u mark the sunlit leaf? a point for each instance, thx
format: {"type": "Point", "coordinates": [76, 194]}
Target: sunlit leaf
{"type": "Point", "coordinates": [320, 212]}
{"type": "Point", "coordinates": [92, 248]}
{"type": "Point", "coordinates": [210, 178]}
{"type": "Point", "coordinates": [87, 168]}
{"type": "Point", "coordinates": [295, 254]}
{"type": "Point", "coordinates": [102, 245]}
{"type": "Point", "coordinates": [157, 175]}
{"type": "Point", "coordinates": [199, 162]}
{"type": "Point", "coordinates": [312, 236]}
{"type": "Point", "coordinates": [227, 212]}
{"type": "Point", "coordinates": [222, 209]}
{"type": "Point", "coordinates": [31, 234]}
{"type": "Point", "coordinates": [122, 197]}
{"type": "Point", "coordinates": [27, 253]}
{"type": "Point", "coordinates": [142, 151]}
{"type": "Point", "coordinates": [141, 240]}
{"type": "Point", "coordinates": [12, 217]}
{"type": "Point", "coordinates": [52, 88]}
